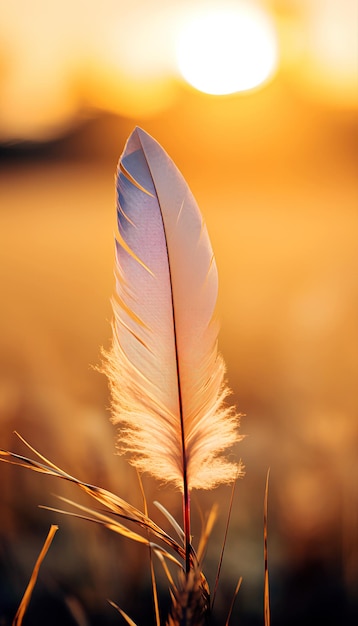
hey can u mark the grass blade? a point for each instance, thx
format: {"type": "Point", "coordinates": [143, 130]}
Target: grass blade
{"type": "Point", "coordinates": [17, 621]}
{"type": "Point", "coordinates": [172, 521]}
{"type": "Point", "coordinates": [117, 505]}
{"type": "Point", "coordinates": [233, 601]}
{"type": "Point", "coordinates": [224, 542]}
{"type": "Point", "coordinates": [151, 564]}
{"type": "Point", "coordinates": [206, 532]}
{"type": "Point", "coordinates": [124, 615]}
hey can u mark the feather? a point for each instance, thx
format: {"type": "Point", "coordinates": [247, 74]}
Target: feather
{"type": "Point", "coordinates": [165, 373]}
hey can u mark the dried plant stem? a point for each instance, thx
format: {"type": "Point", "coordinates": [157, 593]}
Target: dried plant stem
{"type": "Point", "coordinates": [233, 601]}
{"type": "Point", "coordinates": [124, 615]}
{"type": "Point", "coordinates": [224, 543]}
{"type": "Point", "coordinates": [17, 621]}
{"type": "Point", "coordinates": [152, 572]}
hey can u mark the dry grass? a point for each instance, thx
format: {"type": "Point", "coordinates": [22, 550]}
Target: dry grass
{"type": "Point", "coordinates": [191, 603]}
{"type": "Point", "coordinates": [32, 582]}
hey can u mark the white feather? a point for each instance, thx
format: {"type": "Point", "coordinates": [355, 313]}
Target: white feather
{"type": "Point", "coordinates": [165, 373]}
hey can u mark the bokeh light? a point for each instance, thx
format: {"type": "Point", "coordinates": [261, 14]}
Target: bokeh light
{"type": "Point", "coordinates": [327, 69]}
{"type": "Point", "coordinates": [62, 64]}
{"type": "Point", "coordinates": [228, 49]}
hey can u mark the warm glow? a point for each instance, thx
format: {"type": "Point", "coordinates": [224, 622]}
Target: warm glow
{"type": "Point", "coordinates": [59, 64]}
{"type": "Point", "coordinates": [329, 65]}
{"type": "Point", "coordinates": [227, 50]}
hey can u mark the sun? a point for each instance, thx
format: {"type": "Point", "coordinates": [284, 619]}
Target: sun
{"type": "Point", "coordinates": [227, 50]}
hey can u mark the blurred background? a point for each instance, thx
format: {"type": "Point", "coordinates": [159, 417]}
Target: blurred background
{"type": "Point", "coordinates": [260, 115]}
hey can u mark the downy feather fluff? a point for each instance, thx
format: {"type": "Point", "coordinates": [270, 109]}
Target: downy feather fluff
{"type": "Point", "coordinates": [165, 373]}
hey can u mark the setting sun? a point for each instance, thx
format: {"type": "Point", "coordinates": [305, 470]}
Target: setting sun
{"type": "Point", "coordinates": [227, 50]}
